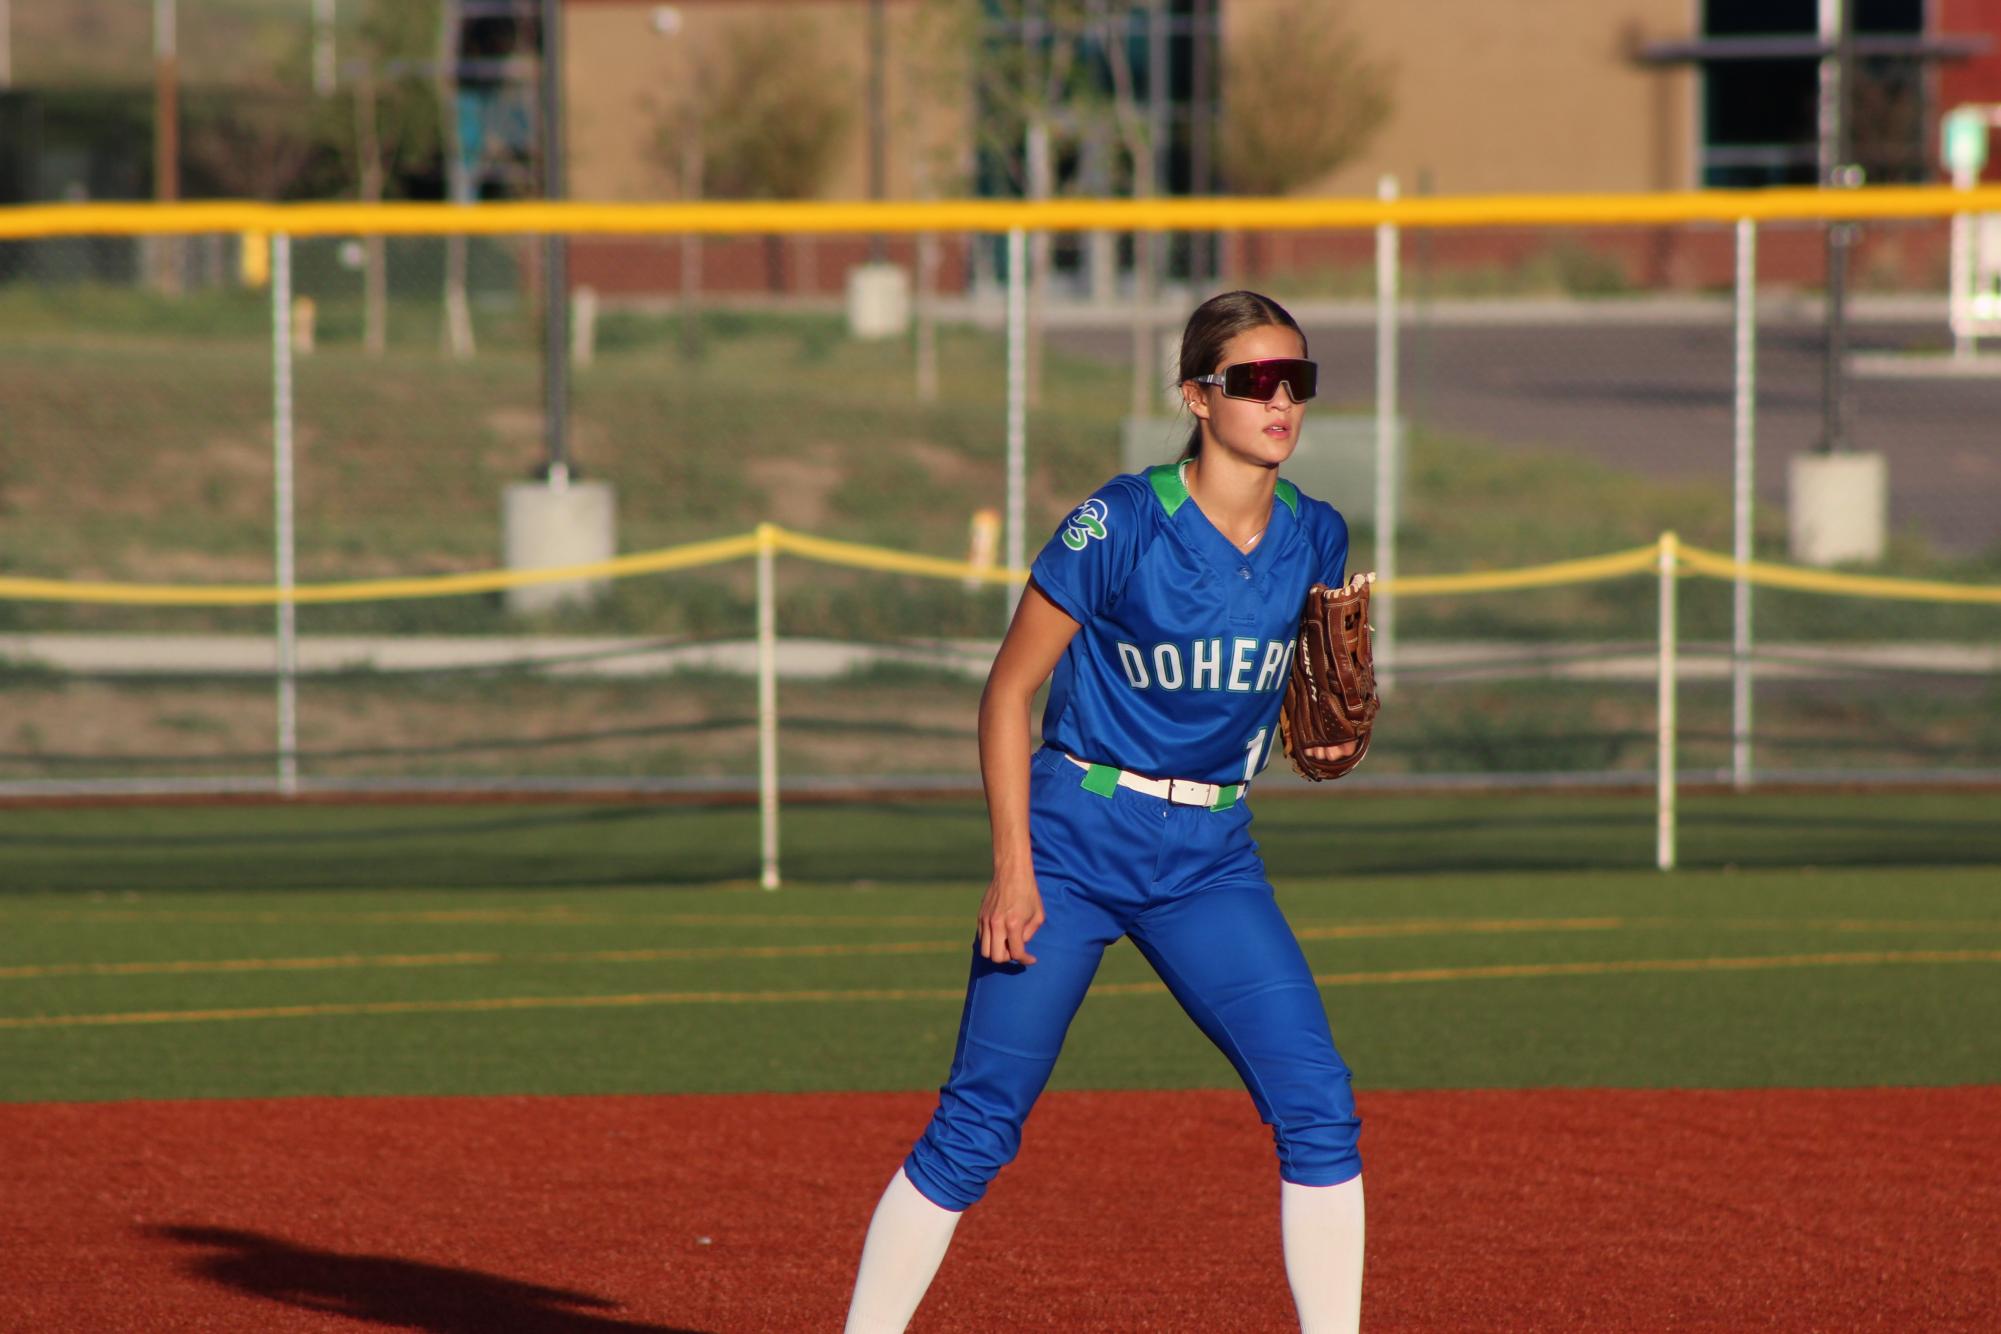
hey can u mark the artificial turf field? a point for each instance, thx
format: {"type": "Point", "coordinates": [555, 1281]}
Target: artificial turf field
{"type": "Point", "coordinates": [286, 1067]}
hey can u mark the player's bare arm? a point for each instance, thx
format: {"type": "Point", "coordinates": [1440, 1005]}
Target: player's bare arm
{"type": "Point", "coordinates": [1012, 909]}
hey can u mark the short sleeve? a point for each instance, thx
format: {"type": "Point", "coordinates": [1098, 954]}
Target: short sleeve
{"type": "Point", "coordinates": [1087, 560]}
{"type": "Point", "coordinates": [1333, 544]}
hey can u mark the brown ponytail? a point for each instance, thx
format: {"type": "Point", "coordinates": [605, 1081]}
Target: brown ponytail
{"type": "Point", "coordinates": [1210, 329]}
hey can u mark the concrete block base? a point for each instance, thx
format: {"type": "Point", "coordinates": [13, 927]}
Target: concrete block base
{"type": "Point", "coordinates": [544, 525]}
{"type": "Point", "coordinates": [1837, 508]}
{"type": "Point", "coordinates": [878, 301]}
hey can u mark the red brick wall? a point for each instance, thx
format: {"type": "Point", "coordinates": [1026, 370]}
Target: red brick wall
{"type": "Point", "coordinates": [1975, 80]}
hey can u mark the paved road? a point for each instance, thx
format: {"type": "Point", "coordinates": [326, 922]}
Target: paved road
{"type": "Point", "coordinates": [1654, 396]}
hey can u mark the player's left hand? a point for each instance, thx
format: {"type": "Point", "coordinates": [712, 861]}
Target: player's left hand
{"type": "Point", "coordinates": [1330, 753]}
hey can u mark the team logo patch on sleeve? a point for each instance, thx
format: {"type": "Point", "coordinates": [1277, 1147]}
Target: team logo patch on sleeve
{"type": "Point", "coordinates": [1088, 522]}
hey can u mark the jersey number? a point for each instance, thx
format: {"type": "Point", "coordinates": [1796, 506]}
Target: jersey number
{"type": "Point", "coordinates": [1254, 760]}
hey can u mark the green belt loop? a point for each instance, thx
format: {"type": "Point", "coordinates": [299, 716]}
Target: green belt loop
{"type": "Point", "coordinates": [1102, 779]}
{"type": "Point", "coordinates": [1226, 797]}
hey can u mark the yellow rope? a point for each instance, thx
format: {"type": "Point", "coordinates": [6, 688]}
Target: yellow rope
{"type": "Point", "coordinates": [1718, 566]}
{"type": "Point", "coordinates": [1587, 570]}
{"type": "Point", "coordinates": [375, 590]}
{"type": "Point", "coordinates": [860, 556]}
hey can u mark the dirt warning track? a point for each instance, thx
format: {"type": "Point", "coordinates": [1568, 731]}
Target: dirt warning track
{"type": "Point", "coordinates": [1560, 1209]}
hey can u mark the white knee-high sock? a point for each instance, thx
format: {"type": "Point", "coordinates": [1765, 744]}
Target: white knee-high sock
{"type": "Point", "coordinates": [906, 1240]}
{"type": "Point", "coordinates": [1322, 1227]}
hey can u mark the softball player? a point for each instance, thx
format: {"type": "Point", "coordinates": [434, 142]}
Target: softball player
{"type": "Point", "coordinates": [1166, 606]}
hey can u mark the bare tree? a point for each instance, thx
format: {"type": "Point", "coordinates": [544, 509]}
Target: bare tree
{"type": "Point", "coordinates": [769, 110]}
{"type": "Point", "coordinates": [1289, 122]}
{"type": "Point", "coordinates": [1136, 133]}
{"type": "Point", "coordinates": [1031, 97]}
{"type": "Point", "coordinates": [933, 53]}
{"type": "Point", "coordinates": [395, 130]}
{"type": "Point", "coordinates": [253, 144]}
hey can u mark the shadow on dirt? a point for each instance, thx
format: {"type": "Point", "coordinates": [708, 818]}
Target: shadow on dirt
{"type": "Point", "coordinates": [405, 1294]}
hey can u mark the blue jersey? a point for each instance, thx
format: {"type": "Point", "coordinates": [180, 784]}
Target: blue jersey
{"type": "Point", "coordinates": [1181, 663]}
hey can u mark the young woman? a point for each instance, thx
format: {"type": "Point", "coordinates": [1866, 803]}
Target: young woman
{"type": "Point", "coordinates": [1165, 606]}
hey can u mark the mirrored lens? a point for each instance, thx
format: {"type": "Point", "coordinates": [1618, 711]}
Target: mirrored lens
{"type": "Point", "coordinates": [1260, 380]}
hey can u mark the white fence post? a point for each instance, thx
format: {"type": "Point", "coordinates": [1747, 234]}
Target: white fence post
{"type": "Point", "coordinates": [1664, 712]}
{"type": "Point", "coordinates": [1384, 609]}
{"type": "Point", "coordinates": [281, 440]}
{"type": "Point", "coordinates": [1741, 546]}
{"type": "Point", "coordinates": [767, 707]}
{"type": "Point", "coordinates": [1017, 397]}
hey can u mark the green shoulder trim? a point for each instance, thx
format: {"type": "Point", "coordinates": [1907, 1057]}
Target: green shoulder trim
{"type": "Point", "coordinates": [1167, 485]}
{"type": "Point", "coordinates": [1289, 494]}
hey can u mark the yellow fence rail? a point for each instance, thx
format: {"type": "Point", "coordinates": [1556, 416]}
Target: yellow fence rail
{"type": "Point", "coordinates": [25, 221]}
{"type": "Point", "coordinates": [1693, 561]}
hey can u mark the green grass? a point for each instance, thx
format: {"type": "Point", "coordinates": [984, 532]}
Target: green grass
{"type": "Point", "coordinates": [1534, 923]}
{"type": "Point", "coordinates": [899, 722]}
{"type": "Point", "coordinates": [138, 449]}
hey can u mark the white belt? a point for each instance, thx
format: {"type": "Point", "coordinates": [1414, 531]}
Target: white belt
{"type": "Point", "coordinates": [1180, 791]}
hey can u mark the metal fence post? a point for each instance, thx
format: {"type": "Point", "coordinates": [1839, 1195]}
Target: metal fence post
{"type": "Point", "coordinates": [1745, 410]}
{"type": "Point", "coordinates": [1664, 712]}
{"type": "Point", "coordinates": [767, 707]}
{"type": "Point", "coordinates": [1017, 396]}
{"type": "Point", "coordinates": [281, 439]}
{"type": "Point", "coordinates": [1384, 611]}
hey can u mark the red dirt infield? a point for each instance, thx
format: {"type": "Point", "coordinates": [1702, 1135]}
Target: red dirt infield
{"type": "Point", "coordinates": [1552, 1210]}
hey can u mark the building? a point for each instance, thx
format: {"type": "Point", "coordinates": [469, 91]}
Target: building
{"type": "Point", "coordinates": [1505, 96]}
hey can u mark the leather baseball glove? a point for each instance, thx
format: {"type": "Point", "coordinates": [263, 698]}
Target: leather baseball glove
{"type": "Point", "coordinates": [1330, 698]}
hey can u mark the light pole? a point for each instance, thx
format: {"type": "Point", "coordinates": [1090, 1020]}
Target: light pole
{"type": "Point", "coordinates": [555, 255]}
{"type": "Point", "coordinates": [878, 130]}
{"type": "Point", "coordinates": [1837, 73]}
{"type": "Point", "coordinates": [166, 136]}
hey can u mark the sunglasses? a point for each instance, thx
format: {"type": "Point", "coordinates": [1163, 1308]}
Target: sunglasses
{"type": "Point", "coordinates": [1259, 380]}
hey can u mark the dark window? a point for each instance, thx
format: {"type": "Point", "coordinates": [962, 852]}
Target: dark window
{"type": "Point", "coordinates": [1761, 118]}
{"type": "Point", "coordinates": [1759, 18]}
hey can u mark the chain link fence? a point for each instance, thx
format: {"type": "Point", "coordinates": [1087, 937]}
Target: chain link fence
{"type": "Point", "coordinates": [1562, 392]}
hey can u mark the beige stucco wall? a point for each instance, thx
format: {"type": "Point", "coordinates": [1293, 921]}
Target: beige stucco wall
{"type": "Point", "coordinates": [622, 72]}
{"type": "Point", "coordinates": [1488, 95]}
{"type": "Point", "coordinates": [1503, 96]}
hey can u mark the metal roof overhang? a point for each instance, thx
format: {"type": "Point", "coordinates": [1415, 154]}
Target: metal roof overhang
{"type": "Point", "coordinates": [1806, 46]}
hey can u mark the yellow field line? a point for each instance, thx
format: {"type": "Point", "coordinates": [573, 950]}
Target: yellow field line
{"type": "Point", "coordinates": [664, 220]}
{"type": "Point", "coordinates": [463, 916]}
{"type": "Point", "coordinates": [826, 995]}
{"type": "Point", "coordinates": [1749, 963]}
{"type": "Point", "coordinates": [472, 958]}
{"type": "Point", "coordinates": [493, 958]}
{"type": "Point", "coordinates": [1305, 929]}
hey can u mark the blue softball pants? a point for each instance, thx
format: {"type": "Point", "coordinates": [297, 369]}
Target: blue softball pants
{"type": "Point", "coordinates": [1189, 888]}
